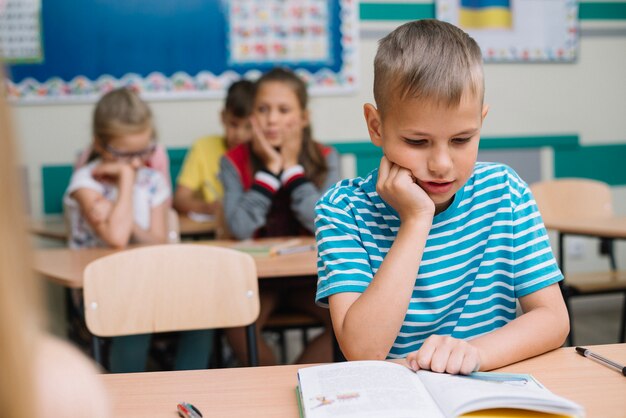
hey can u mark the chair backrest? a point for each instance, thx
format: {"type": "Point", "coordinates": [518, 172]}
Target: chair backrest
{"type": "Point", "coordinates": [572, 198]}
{"type": "Point", "coordinates": [170, 288]}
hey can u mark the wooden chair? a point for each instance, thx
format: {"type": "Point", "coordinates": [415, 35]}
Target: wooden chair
{"type": "Point", "coordinates": [168, 288]}
{"type": "Point", "coordinates": [572, 199]}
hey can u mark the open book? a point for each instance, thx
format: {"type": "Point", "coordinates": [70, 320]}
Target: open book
{"type": "Point", "coordinates": [386, 389]}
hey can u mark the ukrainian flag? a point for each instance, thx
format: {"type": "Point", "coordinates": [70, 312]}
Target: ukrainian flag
{"type": "Point", "coordinates": [485, 14]}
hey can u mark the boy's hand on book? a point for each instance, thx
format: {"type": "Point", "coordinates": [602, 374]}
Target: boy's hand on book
{"type": "Point", "coordinates": [396, 185]}
{"type": "Point", "coordinates": [441, 354]}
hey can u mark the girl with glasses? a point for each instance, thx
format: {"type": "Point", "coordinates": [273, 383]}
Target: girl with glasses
{"type": "Point", "coordinates": [116, 199]}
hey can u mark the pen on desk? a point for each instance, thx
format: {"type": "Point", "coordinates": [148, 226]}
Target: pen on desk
{"type": "Point", "coordinates": [187, 410]}
{"type": "Point", "coordinates": [588, 353]}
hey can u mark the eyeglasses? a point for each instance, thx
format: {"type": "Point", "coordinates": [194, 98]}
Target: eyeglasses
{"type": "Point", "coordinates": [130, 155]}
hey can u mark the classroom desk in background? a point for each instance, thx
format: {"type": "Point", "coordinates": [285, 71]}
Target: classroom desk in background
{"type": "Point", "coordinates": [270, 391]}
{"type": "Point", "coordinates": [614, 227]}
{"type": "Point", "coordinates": [53, 227]}
{"type": "Point", "coordinates": [65, 266]}
{"type": "Point", "coordinates": [196, 230]}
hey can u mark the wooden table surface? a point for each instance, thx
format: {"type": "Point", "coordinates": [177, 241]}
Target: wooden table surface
{"type": "Point", "coordinates": [614, 227]}
{"type": "Point", "coordinates": [65, 266]}
{"type": "Point", "coordinates": [53, 227]}
{"type": "Point", "coordinates": [270, 391]}
{"type": "Point", "coordinates": [191, 228]}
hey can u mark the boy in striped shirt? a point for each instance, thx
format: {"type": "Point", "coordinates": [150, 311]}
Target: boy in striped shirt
{"type": "Point", "coordinates": [426, 257]}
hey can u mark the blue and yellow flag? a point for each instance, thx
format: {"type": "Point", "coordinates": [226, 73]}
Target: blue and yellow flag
{"type": "Point", "coordinates": [485, 14]}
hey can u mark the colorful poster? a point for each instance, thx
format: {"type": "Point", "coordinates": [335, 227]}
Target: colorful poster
{"type": "Point", "coordinates": [191, 50]}
{"type": "Point", "coordinates": [279, 31]}
{"type": "Point", "coordinates": [20, 31]}
{"type": "Point", "coordinates": [517, 30]}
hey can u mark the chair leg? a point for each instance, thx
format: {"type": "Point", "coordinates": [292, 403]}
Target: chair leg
{"type": "Point", "coordinates": [217, 359]}
{"type": "Point", "coordinates": [97, 350]}
{"type": "Point", "coordinates": [283, 346]}
{"type": "Point", "coordinates": [253, 355]}
{"type": "Point", "coordinates": [622, 330]}
{"type": "Point", "coordinates": [305, 336]}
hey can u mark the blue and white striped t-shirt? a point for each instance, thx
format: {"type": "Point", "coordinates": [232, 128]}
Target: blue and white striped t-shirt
{"type": "Point", "coordinates": [484, 251]}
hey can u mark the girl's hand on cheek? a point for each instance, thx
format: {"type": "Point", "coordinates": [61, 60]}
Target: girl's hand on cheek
{"type": "Point", "coordinates": [397, 186]}
{"type": "Point", "coordinates": [292, 145]}
{"type": "Point", "coordinates": [271, 158]}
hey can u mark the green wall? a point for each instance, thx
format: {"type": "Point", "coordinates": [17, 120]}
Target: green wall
{"type": "Point", "coordinates": [601, 162]}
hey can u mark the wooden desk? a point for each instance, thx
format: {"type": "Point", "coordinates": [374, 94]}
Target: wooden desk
{"type": "Point", "coordinates": [53, 227]}
{"type": "Point", "coordinates": [606, 229]}
{"type": "Point", "coordinates": [192, 229]}
{"type": "Point", "coordinates": [270, 391]}
{"type": "Point", "coordinates": [65, 266]}
{"type": "Point", "coordinates": [603, 228]}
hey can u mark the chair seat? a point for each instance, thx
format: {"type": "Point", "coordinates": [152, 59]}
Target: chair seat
{"type": "Point", "coordinates": [597, 282]}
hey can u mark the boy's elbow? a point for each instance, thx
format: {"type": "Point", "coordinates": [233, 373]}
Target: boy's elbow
{"type": "Point", "coordinates": [563, 327]}
{"type": "Point", "coordinates": [354, 352]}
{"type": "Point", "coordinates": [560, 327]}
{"type": "Point", "coordinates": [366, 356]}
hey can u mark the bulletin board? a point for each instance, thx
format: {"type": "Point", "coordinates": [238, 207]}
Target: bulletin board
{"type": "Point", "coordinates": [517, 30]}
{"type": "Point", "coordinates": [185, 49]}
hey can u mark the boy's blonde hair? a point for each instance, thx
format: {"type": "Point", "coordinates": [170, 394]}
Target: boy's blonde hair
{"type": "Point", "coordinates": [428, 60]}
{"type": "Point", "coordinates": [121, 112]}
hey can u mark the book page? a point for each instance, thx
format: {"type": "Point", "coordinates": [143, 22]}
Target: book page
{"type": "Point", "coordinates": [364, 389]}
{"type": "Point", "coordinates": [456, 395]}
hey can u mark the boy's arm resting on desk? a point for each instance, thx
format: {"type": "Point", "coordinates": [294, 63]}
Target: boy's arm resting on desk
{"type": "Point", "coordinates": [543, 327]}
{"type": "Point", "coordinates": [384, 302]}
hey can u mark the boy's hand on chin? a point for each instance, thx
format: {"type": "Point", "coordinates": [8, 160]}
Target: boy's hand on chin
{"type": "Point", "coordinates": [397, 186]}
